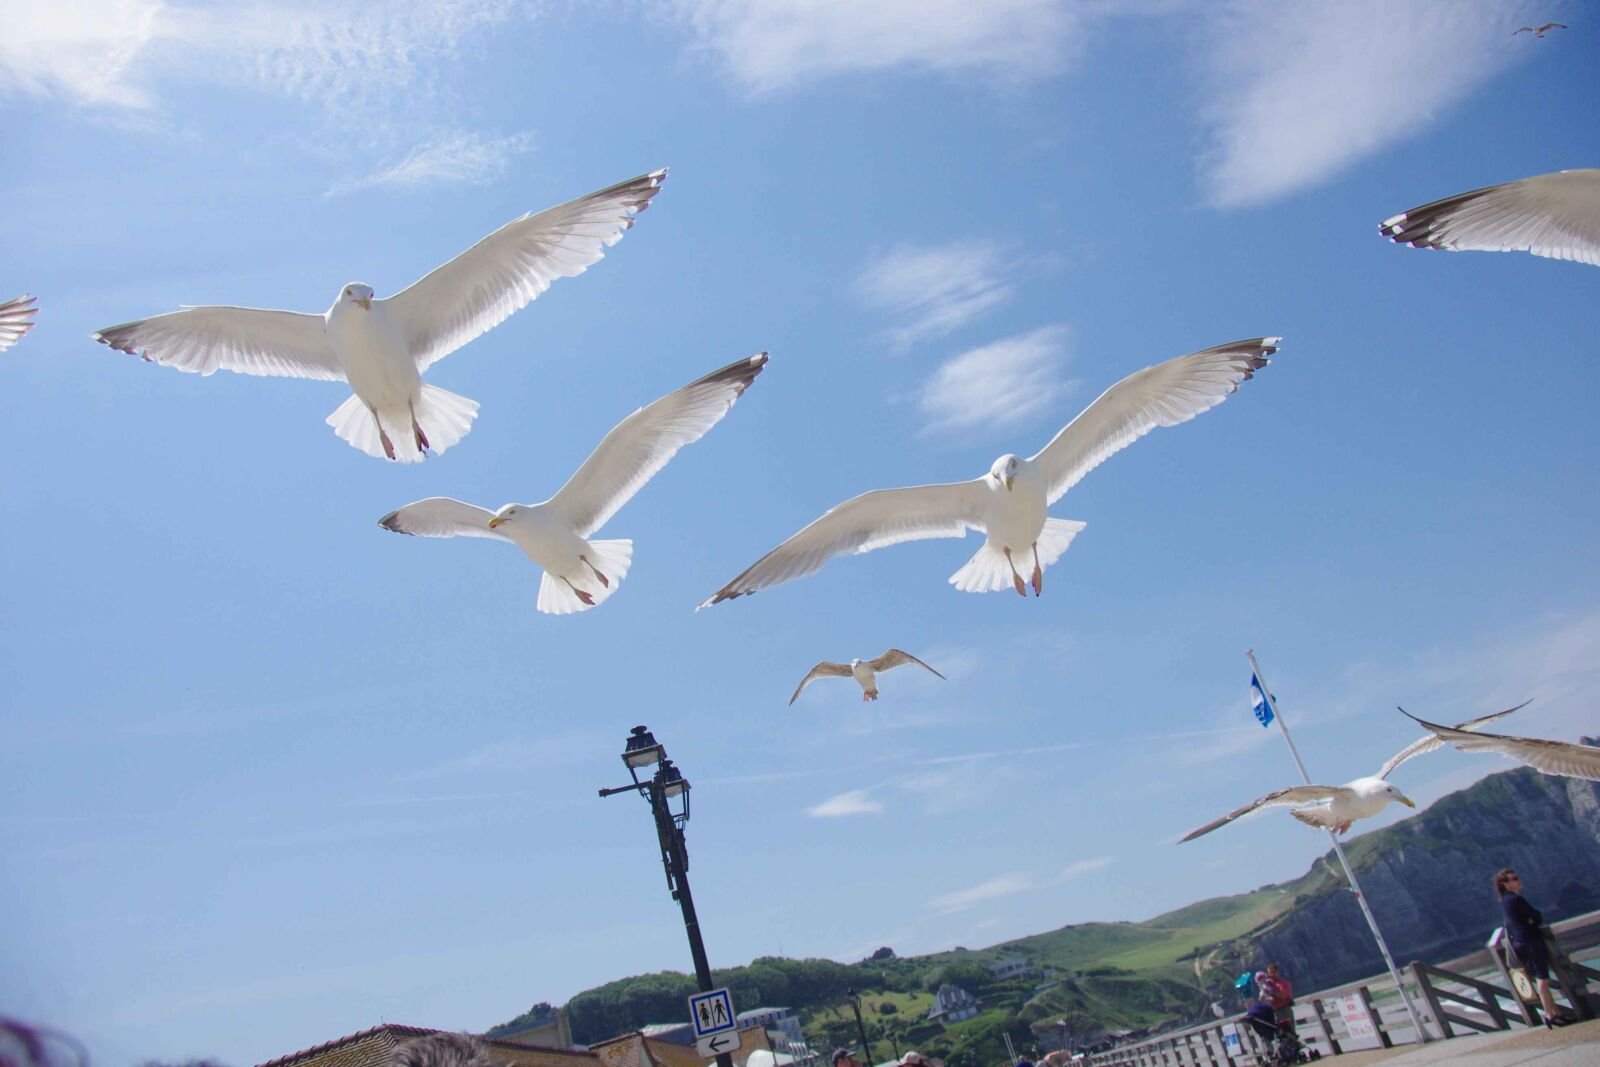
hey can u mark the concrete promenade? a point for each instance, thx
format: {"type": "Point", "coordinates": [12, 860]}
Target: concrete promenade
{"type": "Point", "coordinates": [1577, 1045]}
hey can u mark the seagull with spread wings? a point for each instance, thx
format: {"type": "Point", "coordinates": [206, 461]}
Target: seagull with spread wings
{"type": "Point", "coordinates": [1547, 757]}
{"type": "Point", "coordinates": [1335, 807]}
{"type": "Point", "coordinates": [1008, 504]}
{"type": "Point", "coordinates": [381, 346]}
{"type": "Point", "coordinates": [864, 671]}
{"type": "Point", "coordinates": [17, 318]}
{"type": "Point", "coordinates": [1552, 215]}
{"type": "Point", "coordinates": [1539, 31]}
{"type": "Point", "coordinates": [580, 573]}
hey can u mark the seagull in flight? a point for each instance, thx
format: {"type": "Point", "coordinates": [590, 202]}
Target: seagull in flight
{"type": "Point", "coordinates": [1335, 807]}
{"type": "Point", "coordinates": [580, 573]}
{"type": "Point", "coordinates": [864, 671]}
{"type": "Point", "coordinates": [1008, 504]}
{"type": "Point", "coordinates": [381, 345]}
{"type": "Point", "coordinates": [1547, 757]}
{"type": "Point", "coordinates": [1552, 215]}
{"type": "Point", "coordinates": [1540, 31]}
{"type": "Point", "coordinates": [17, 318]}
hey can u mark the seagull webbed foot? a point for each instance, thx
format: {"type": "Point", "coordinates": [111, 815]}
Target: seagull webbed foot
{"type": "Point", "coordinates": [1038, 572]}
{"type": "Point", "coordinates": [603, 579]}
{"type": "Point", "coordinates": [416, 432]}
{"type": "Point", "coordinates": [388, 445]}
{"type": "Point", "coordinates": [1016, 579]}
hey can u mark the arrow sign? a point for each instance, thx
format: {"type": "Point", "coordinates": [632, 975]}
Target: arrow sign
{"type": "Point", "coordinates": [716, 1044]}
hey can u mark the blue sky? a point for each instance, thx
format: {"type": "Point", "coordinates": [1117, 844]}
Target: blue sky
{"type": "Point", "coordinates": [271, 775]}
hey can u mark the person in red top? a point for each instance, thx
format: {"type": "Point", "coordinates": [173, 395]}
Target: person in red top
{"type": "Point", "coordinates": [1277, 990]}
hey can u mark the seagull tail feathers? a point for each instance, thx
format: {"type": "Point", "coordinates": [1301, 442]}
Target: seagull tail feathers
{"type": "Point", "coordinates": [610, 558]}
{"type": "Point", "coordinates": [988, 570]}
{"type": "Point", "coordinates": [445, 418]}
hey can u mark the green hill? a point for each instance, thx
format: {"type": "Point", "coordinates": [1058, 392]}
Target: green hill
{"type": "Point", "coordinates": [1099, 977]}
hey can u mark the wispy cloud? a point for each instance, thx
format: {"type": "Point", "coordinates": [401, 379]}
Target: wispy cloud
{"type": "Point", "coordinates": [855, 802]}
{"type": "Point", "coordinates": [111, 53]}
{"type": "Point", "coordinates": [1300, 92]}
{"type": "Point", "coordinates": [1001, 383]}
{"type": "Point", "coordinates": [1004, 753]}
{"type": "Point", "coordinates": [934, 288]}
{"type": "Point", "coordinates": [458, 159]}
{"type": "Point", "coordinates": [1004, 885]}
{"type": "Point", "coordinates": [1012, 883]}
{"type": "Point", "coordinates": [773, 44]}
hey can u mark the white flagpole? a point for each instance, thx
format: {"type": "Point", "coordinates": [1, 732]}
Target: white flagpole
{"type": "Point", "coordinates": [1350, 875]}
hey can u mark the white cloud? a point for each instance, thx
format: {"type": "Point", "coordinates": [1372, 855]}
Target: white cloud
{"type": "Point", "coordinates": [1003, 885]}
{"type": "Point", "coordinates": [855, 802]}
{"type": "Point", "coordinates": [1084, 867]}
{"type": "Point", "coordinates": [111, 52]}
{"type": "Point", "coordinates": [459, 159]}
{"type": "Point", "coordinates": [1005, 382]}
{"type": "Point", "coordinates": [1012, 883]}
{"type": "Point", "coordinates": [771, 44]}
{"type": "Point", "coordinates": [938, 288]}
{"type": "Point", "coordinates": [1303, 91]}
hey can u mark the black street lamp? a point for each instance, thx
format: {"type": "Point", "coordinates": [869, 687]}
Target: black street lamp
{"type": "Point", "coordinates": [861, 1027]}
{"type": "Point", "coordinates": [668, 783]}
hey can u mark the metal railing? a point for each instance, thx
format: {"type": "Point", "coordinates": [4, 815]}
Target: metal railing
{"type": "Point", "coordinates": [1347, 1018]}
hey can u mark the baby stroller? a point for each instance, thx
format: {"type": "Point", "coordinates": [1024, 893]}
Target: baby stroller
{"type": "Point", "coordinates": [1281, 1046]}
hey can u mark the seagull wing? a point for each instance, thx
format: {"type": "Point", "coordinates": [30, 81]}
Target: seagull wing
{"type": "Point", "coordinates": [1548, 757]}
{"type": "Point", "coordinates": [204, 340]}
{"type": "Point", "coordinates": [16, 318]}
{"type": "Point", "coordinates": [1163, 395]}
{"type": "Point", "coordinates": [641, 444]}
{"type": "Point", "coordinates": [1429, 742]}
{"type": "Point", "coordinates": [1552, 215]}
{"type": "Point", "coordinates": [1295, 794]}
{"type": "Point", "coordinates": [821, 670]}
{"type": "Point", "coordinates": [500, 274]}
{"type": "Point", "coordinates": [861, 524]}
{"type": "Point", "coordinates": [896, 658]}
{"type": "Point", "coordinates": [439, 516]}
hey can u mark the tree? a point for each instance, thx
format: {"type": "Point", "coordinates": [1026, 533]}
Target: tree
{"type": "Point", "coordinates": [884, 953]}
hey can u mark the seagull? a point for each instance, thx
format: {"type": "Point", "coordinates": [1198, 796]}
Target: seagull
{"type": "Point", "coordinates": [1540, 31]}
{"type": "Point", "coordinates": [381, 346]}
{"type": "Point", "coordinates": [1547, 757]}
{"type": "Point", "coordinates": [1335, 807]}
{"type": "Point", "coordinates": [1008, 504]}
{"type": "Point", "coordinates": [1552, 215]}
{"type": "Point", "coordinates": [864, 671]}
{"type": "Point", "coordinates": [17, 318]}
{"type": "Point", "coordinates": [580, 573]}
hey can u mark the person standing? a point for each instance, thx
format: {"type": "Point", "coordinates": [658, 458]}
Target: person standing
{"type": "Point", "coordinates": [1524, 930]}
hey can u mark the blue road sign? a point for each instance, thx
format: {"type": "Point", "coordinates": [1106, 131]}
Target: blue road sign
{"type": "Point", "coordinates": [712, 1013]}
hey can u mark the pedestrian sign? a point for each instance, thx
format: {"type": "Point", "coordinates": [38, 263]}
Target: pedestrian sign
{"type": "Point", "coordinates": [711, 1013]}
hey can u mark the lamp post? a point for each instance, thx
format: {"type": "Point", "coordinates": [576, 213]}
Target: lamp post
{"type": "Point", "coordinates": [668, 784]}
{"type": "Point", "coordinates": [861, 1027]}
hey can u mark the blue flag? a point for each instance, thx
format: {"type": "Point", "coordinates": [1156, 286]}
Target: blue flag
{"type": "Point", "coordinates": [1258, 702]}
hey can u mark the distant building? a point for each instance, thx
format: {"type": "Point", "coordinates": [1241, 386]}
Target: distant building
{"type": "Point", "coordinates": [551, 1031]}
{"type": "Point", "coordinates": [1007, 969]}
{"type": "Point", "coordinates": [782, 1025]}
{"type": "Point", "coordinates": [953, 1004]}
{"type": "Point", "coordinates": [372, 1048]}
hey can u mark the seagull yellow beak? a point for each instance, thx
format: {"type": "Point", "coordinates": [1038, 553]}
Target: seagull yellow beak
{"type": "Point", "coordinates": [1407, 801]}
{"type": "Point", "coordinates": [366, 303]}
{"type": "Point", "coordinates": [1009, 479]}
{"type": "Point", "coordinates": [496, 521]}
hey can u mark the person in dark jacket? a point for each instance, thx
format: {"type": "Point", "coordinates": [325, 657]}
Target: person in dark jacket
{"type": "Point", "coordinates": [1523, 930]}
